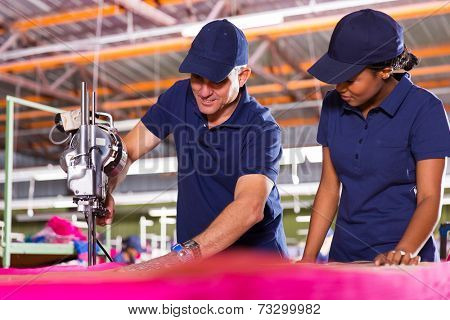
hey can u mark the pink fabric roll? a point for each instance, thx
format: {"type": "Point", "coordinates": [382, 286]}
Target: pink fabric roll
{"type": "Point", "coordinates": [235, 276]}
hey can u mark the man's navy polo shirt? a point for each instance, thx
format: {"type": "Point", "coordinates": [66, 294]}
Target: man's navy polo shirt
{"type": "Point", "coordinates": [375, 160]}
{"type": "Point", "coordinates": [210, 161]}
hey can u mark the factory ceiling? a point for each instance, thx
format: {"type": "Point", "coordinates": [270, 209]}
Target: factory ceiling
{"type": "Point", "coordinates": [129, 52]}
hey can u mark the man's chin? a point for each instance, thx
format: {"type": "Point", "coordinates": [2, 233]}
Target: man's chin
{"type": "Point", "coordinates": [208, 109]}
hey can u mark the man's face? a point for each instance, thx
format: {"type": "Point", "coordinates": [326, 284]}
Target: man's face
{"type": "Point", "coordinates": [211, 97]}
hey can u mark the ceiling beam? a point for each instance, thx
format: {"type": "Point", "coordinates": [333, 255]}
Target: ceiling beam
{"type": "Point", "coordinates": [33, 86]}
{"type": "Point", "coordinates": [72, 16]}
{"type": "Point", "coordinates": [162, 84]}
{"type": "Point", "coordinates": [70, 71]}
{"type": "Point", "coordinates": [253, 90]}
{"type": "Point", "coordinates": [216, 10]}
{"type": "Point", "coordinates": [147, 11]}
{"type": "Point", "coordinates": [83, 14]}
{"type": "Point", "coordinates": [180, 44]}
{"type": "Point", "coordinates": [11, 41]}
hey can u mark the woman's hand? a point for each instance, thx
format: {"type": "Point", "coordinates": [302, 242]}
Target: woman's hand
{"type": "Point", "coordinates": [396, 257]}
{"type": "Point", "coordinates": [307, 259]}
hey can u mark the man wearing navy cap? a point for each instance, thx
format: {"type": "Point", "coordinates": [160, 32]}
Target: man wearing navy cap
{"type": "Point", "coordinates": [131, 250]}
{"type": "Point", "coordinates": [228, 149]}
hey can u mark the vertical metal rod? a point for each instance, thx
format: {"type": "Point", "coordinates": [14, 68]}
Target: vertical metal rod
{"type": "Point", "coordinates": [84, 129]}
{"type": "Point", "coordinates": [84, 105]}
{"type": "Point", "coordinates": [92, 254]}
{"type": "Point", "coordinates": [7, 214]}
{"type": "Point", "coordinates": [94, 107]}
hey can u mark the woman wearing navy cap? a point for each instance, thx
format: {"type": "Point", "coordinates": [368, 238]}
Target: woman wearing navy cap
{"type": "Point", "coordinates": [385, 141]}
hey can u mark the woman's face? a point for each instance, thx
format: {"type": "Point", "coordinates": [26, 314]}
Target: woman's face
{"type": "Point", "coordinates": [363, 88]}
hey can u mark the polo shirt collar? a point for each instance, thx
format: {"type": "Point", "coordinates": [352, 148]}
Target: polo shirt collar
{"type": "Point", "coordinates": [394, 100]}
{"type": "Point", "coordinates": [239, 114]}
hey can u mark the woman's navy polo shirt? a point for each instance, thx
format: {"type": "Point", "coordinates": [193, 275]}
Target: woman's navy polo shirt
{"type": "Point", "coordinates": [375, 160]}
{"type": "Point", "coordinates": [210, 161]}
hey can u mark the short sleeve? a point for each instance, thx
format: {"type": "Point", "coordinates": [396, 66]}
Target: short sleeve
{"type": "Point", "coordinates": [159, 118]}
{"type": "Point", "coordinates": [262, 151]}
{"type": "Point", "coordinates": [322, 131]}
{"type": "Point", "coordinates": [430, 137]}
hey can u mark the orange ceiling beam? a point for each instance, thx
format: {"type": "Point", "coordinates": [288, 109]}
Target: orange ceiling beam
{"type": "Point", "coordinates": [180, 44]}
{"type": "Point", "coordinates": [259, 89]}
{"type": "Point", "coordinates": [254, 90]}
{"type": "Point", "coordinates": [422, 53]}
{"type": "Point", "coordinates": [87, 13]}
{"type": "Point", "coordinates": [445, 68]}
{"type": "Point", "coordinates": [266, 88]}
{"type": "Point", "coordinates": [113, 53]}
{"type": "Point", "coordinates": [436, 51]}
{"type": "Point", "coordinates": [325, 23]}
{"type": "Point", "coordinates": [66, 17]}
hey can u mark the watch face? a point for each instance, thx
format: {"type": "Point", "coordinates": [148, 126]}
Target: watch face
{"type": "Point", "coordinates": [186, 255]}
{"type": "Point", "coordinates": [193, 247]}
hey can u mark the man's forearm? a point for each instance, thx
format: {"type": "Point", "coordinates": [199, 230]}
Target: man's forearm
{"type": "Point", "coordinates": [236, 219]}
{"type": "Point", "coordinates": [115, 181]}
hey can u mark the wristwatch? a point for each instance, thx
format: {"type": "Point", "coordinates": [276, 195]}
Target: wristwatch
{"type": "Point", "coordinates": [187, 251]}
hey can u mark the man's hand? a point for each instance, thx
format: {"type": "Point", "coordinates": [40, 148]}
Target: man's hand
{"type": "Point", "coordinates": [396, 257]}
{"type": "Point", "coordinates": [109, 206]}
{"type": "Point", "coordinates": [166, 261]}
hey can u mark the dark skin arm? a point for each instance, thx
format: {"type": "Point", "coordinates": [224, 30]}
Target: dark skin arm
{"type": "Point", "coordinates": [429, 191]}
{"type": "Point", "coordinates": [324, 208]}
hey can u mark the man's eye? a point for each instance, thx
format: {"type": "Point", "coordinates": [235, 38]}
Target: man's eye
{"type": "Point", "coordinates": [221, 82]}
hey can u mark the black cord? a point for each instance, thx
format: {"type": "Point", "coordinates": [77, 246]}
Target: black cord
{"type": "Point", "coordinates": [99, 244]}
{"type": "Point", "coordinates": [104, 251]}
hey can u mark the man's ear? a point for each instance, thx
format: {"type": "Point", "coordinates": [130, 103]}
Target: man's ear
{"type": "Point", "coordinates": [244, 75]}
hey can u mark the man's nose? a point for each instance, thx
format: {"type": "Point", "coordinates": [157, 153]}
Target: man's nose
{"type": "Point", "coordinates": [205, 90]}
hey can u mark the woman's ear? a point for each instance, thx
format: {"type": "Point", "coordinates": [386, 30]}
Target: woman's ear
{"type": "Point", "coordinates": [385, 73]}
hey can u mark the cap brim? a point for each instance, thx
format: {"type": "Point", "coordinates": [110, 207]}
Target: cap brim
{"type": "Point", "coordinates": [332, 71]}
{"type": "Point", "coordinates": [212, 70]}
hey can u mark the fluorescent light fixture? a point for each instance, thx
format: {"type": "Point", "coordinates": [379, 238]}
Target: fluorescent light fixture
{"type": "Point", "coordinates": [275, 17]}
{"type": "Point", "coordinates": [242, 22]}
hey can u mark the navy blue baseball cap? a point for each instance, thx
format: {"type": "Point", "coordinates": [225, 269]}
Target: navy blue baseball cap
{"type": "Point", "coordinates": [133, 242]}
{"type": "Point", "coordinates": [360, 39]}
{"type": "Point", "coordinates": [216, 50]}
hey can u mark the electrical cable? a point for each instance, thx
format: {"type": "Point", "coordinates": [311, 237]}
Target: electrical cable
{"type": "Point", "coordinates": [104, 251]}
{"type": "Point", "coordinates": [50, 136]}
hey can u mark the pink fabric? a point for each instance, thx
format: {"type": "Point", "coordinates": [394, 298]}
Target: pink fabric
{"type": "Point", "coordinates": [236, 276]}
{"type": "Point", "coordinates": [29, 271]}
{"type": "Point", "coordinates": [64, 227]}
